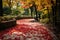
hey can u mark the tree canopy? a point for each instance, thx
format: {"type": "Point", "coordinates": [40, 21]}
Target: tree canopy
{"type": "Point", "coordinates": [27, 3]}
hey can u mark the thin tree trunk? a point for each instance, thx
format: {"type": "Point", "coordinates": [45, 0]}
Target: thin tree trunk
{"type": "Point", "coordinates": [53, 12]}
{"type": "Point", "coordinates": [9, 3]}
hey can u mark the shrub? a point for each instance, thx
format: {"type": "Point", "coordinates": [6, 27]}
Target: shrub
{"type": "Point", "coordinates": [7, 10]}
{"type": "Point", "coordinates": [45, 20]}
{"type": "Point", "coordinates": [16, 12]}
{"type": "Point", "coordinates": [7, 18]}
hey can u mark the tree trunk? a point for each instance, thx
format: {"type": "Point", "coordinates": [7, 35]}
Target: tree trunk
{"type": "Point", "coordinates": [57, 24]}
{"type": "Point", "coordinates": [1, 14]}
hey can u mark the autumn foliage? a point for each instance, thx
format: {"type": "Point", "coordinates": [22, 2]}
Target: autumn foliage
{"type": "Point", "coordinates": [27, 3]}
